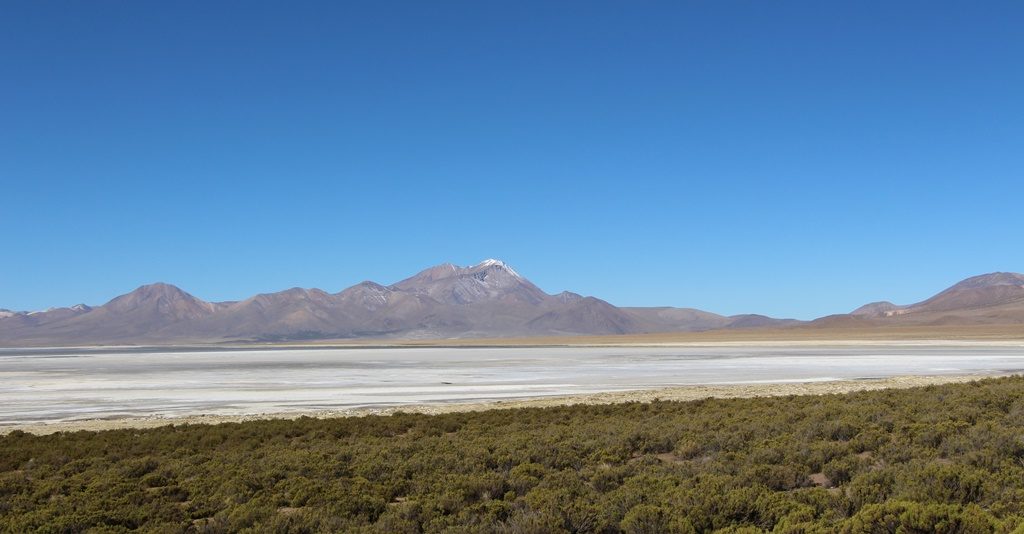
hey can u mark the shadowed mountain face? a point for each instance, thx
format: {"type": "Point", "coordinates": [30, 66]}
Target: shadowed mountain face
{"type": "Point", "coordinates": [489, 299]}
{"type": "Point", "coordinates": [996, 298]}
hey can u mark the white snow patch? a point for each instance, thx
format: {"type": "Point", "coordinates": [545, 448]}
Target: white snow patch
{"type": "Point", "coordinates": [491, 262]}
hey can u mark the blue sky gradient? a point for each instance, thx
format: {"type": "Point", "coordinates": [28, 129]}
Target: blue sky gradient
{"type": "Point", "coordinates": [789, 158]}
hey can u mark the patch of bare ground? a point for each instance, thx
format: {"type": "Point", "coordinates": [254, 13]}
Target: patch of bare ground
{"type": "Point", "coordinates": [820, 480]}
{"type": "Point", "coordinates": [670, 458]}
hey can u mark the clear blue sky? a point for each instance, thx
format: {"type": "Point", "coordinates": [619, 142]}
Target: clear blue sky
{"type": "Point", "coordinates": [788, 158]}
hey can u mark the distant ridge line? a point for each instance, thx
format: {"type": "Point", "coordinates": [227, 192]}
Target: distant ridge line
{"type": "Point", "coordinates": [446, 301]}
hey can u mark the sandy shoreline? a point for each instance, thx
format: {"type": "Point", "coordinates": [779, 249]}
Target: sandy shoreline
{"type": "Point", "coordinates": [681, 393]}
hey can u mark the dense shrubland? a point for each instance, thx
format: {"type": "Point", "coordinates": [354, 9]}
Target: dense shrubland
{"type": "Point", "coordinates": [934, 459]}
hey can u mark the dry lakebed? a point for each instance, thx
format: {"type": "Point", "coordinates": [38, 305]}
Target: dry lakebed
{"type": "Point", "coordinates": [47, 390]}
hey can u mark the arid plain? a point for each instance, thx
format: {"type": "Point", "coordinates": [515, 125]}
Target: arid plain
{"type": "Point", "coordinates": [48, 390]}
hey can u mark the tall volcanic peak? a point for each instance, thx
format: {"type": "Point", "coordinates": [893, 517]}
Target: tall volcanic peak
{"type": "Point", "coordinates": [489, 280]}
{"type": "Point", "coordinates": [446, 271]}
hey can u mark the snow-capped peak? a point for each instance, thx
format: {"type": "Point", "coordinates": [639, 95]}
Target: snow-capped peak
{"type": "Point", "coordinates": [491, 262]}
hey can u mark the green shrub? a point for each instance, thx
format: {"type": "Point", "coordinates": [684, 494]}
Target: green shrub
{"type": "Point", "coordinates": [938, 459]}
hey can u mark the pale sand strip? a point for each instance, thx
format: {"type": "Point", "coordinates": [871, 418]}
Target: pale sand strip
{"type": "Point", "coordinates": [682, 393]}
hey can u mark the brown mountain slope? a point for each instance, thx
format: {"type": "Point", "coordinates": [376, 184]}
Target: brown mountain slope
{"type": "Point", "coordinates": [988, 299]}
{"type": "Point", "coordinates": [588, 315]}
{"type": "Point", "coordinates": [983, 291]}
{"type": "Point", "coordinates": [294, 312]}
{"type": "Point", "coordinates": [145, 313]}
{"type": "Point", "coordinates": [666, 319]}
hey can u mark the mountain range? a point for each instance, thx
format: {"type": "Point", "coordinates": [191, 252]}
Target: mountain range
{"type": "Point", "coordinates": [489, 299]}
